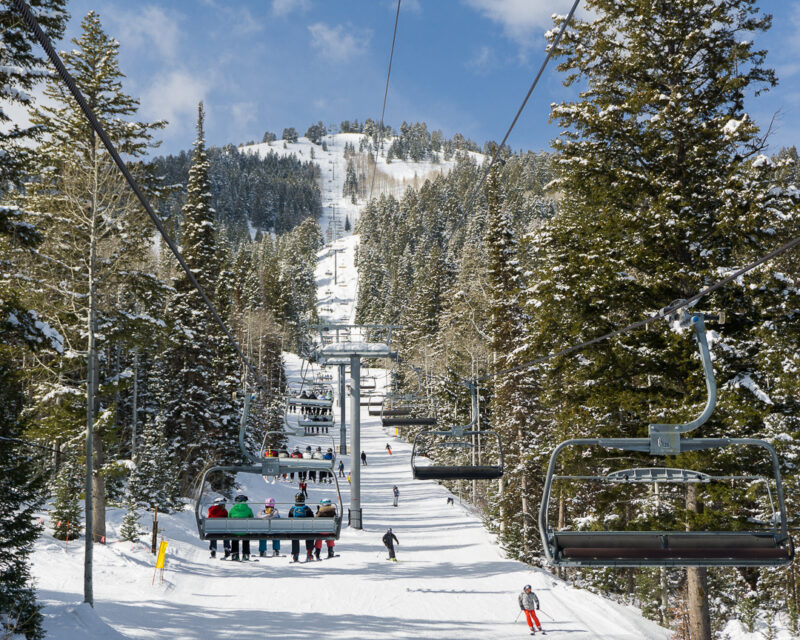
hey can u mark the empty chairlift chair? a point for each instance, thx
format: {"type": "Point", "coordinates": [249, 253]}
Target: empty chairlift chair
{"type": "Point", "coordinates": [478, 453]}
{"type": "Point", "coordinates": [404, 411]}
{"type": "Point", "coordinates": [744, 544]}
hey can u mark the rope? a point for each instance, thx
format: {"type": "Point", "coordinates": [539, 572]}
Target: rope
{"type": "Point", "coordinates": [65, 76]}
{"type": "Point", "coordinates": [385, 94]}
{"type": "Point", "coordinates": [522, 106]}
{"type": "Point", "coordinates": [666, 311]}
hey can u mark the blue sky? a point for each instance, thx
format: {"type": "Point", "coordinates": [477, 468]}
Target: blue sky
{"type": "Point", "coordinates": [460, 65]}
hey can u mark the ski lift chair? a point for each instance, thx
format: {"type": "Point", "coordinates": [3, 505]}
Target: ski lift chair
{"type": "Point", "coordinates": [283, 528]}
{"type": "Point", "coordinates": [404, 411]}
{"type": "Point", "coordinates": [464, 438]}
{"type": "Point", "coordinates": [375, 405]}
{"type": "Point", "coordinates": [768, 546]}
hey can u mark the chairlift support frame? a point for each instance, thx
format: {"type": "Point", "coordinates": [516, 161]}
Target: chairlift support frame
{"type": "Point", "coordinates": [458, 433]}
{"type": "Point", "coordinates": [673, 548]}
{"type": "Point", "coordinates": [284, 528]}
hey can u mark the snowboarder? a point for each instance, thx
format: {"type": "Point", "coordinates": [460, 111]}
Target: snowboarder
{"type": "Point", "coordinates": [364, 458]}
{"type": "Point", "coordinates": [341, 468]}
{"type": "Point", "coordinates": [389, 539]}
{"type": "Point", "coordinates": [240, 510]}
{"type": "Point", "coordinates": [301, 510]}
{"type": "Point", "coordinates": [270, 512]}
{"type": "Point", "coordinates": [389, 448]}
{"type": "Point", "coordinates": [218, 510]}
{"type": "Point", "coordinates": [396, 494]}
{"type": "Point", "coordinates": [326, 510]}
{"type": "Point", "coordinates": [528, 602]}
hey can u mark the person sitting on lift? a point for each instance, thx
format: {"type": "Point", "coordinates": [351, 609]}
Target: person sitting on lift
{"type": "Point", "coordinates": [240, 510]}
{"type": "Point", "coordinates": [326, 510]}
{"type": "Point", "coordinates": [301, 510]}
{"type": "Point", "coordinates": [270, 512]}
{"type": "Point", "coordinates": [218, 510]}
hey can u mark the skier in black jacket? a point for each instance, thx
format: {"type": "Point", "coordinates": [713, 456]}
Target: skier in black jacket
{"type": "Point", "coordinates": [389, 539]}
{"type": "Point", "coordinates": [301, 510]}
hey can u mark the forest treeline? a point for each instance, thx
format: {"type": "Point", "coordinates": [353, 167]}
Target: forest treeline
{"type": "Point", "coordinates": [658, 185]}
{"type": "Point", "coordinates": [100, 332]}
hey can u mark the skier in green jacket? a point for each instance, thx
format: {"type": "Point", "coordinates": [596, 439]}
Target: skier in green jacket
{"type": "Point", "coordinates": [240, 510]}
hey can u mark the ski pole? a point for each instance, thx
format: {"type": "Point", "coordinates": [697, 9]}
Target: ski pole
{"type": "Point", "coordinates": [545, 613]}
{"type": "Point", "coordinates": [518, 615]}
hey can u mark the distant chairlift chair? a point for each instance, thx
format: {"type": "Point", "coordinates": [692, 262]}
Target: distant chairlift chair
{"type": "Point", "coordinates": [769, 546]}
{"type": "Point", "coordinates": [463, 438]}
{"type": "Point", "coordinates": [283, 528]}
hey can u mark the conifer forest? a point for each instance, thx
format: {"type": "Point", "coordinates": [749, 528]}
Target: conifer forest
{"type": "Point", "coordinates": [659, 185]}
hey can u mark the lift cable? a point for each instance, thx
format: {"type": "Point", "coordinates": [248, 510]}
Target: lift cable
{"type": "Point", "coordinates": [666, 311]}
{"type": "Point", "coordinates": [385, 94]}
{"type": "Point", "coordinates": [497, 149]}
{"type": "Point", "coordinates": [65, 76]}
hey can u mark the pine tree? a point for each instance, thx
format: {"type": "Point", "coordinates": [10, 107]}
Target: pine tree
{"type": "Point", "coordinates": [153, 483]}
{"type": "Point", "coordinates": [66, 515]}
{"type": "Point", "coordinates": [129, 530]}
{"type": "Point", "coordinates": [661, 193]}
{"type": "Point", "coordinates": [21, 328]}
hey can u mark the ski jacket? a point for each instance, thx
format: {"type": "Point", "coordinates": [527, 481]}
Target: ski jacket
{"type": "Point", "coordinates": [271, 515]}
{"type": "Point", "coordinates": [240, 510]}
{"type": "Point", "coordinates": [396, 492]}
{"type": "Point", "coordinates": [389, 539]}
{"type": "Point", "coordinates": [296, 454]}
{"type": "Point", "coordinates": [217, 511]}
{"type": "Point", "coordinates": [341, 465]}
{"type": "Point", "coordinates": [528, 601]}
{"type": "Point", "coordinates": [301, 511]}
{"type": "Point", "coordinates": [327, 456]}
{"type": "Point", "coordinates": [316, 456]}
{"type": "Point", "coordinates": [326, 511]}
{"type": "Point", "coordinates": [270, 453]}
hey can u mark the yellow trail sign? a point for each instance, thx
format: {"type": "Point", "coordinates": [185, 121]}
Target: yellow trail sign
{"type": "Point", "coordinates": [162, 552]}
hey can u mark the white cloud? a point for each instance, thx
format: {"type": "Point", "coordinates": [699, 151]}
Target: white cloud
{"type": "Point", "coordinates": [243, 113]}
{"type": "Point", "coordinates": [174, 97]}
{"type": "Point", "coordinates": [522, 20]}
{"type": "Point", "coordinates": [149, 28]}
{"type": "Point", "coordinates": [338, 43]}
{"type": "Point", "coordinates": [483, 60]}
{"type": "Point", "coordinates": [285, 7]}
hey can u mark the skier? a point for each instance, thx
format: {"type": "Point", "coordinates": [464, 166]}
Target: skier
{"type": "Point", "coordinates": [270, 513]}
{"type": "Point", "coordinates": [341, 468]}
{"type": "Point", "coordinates": [218, 510]}
{"type": "Point", "coordinates": [396, 494]}
{"type": "Point", "coordinates": [326, 510]}
{"type": "Point", "coordinates": [389, 448]}
{"type": "Point", "coordinates": [301, 510]}
{"type": "Point", "coordinates": [389, 539]}
{"type": "Point", "coordinates": [364, 458]}
{"type": "Point", "coordinates": [303, 486]}
{"type": "Point", "coordinates": [240, 510]}
{"type": "Point", "coordinates": [327, 476]}
{"type": "Point", "coordinates": [528, 602]}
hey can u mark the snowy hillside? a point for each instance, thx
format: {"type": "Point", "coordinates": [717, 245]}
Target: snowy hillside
{"type": "Point", "coordinates": [393, 177]}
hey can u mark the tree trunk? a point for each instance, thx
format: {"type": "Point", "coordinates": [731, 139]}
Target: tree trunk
{"type": "Point", "coordinates": [697, 581]}
{"type": "Point", "coordinates": [99, 494]}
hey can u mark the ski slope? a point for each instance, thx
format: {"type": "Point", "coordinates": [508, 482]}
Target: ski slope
{"type": "Point", "coordinates": [452, 580]}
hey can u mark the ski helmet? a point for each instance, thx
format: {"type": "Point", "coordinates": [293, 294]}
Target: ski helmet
{"type": "Point", "coordinates": [269, 502]}
{"type": "Point", "coordinates": [219, 500]}
{"type": "Point", "coordinates": [241, 498]}
{"type": "Point", "coordinates": [300, 498]}
{"type": "Point", "coordinates": [526, 587]}
{"type": "Point", "coordinates": [389, 530]}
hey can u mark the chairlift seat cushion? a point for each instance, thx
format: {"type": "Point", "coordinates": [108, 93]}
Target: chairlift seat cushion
{"type": "Point", "coordinates": [457, 472]}
{"type": "Point", "coordinates": [635, 546]}
{"type": "Point", "coordinates": [397, 412]}
{"type": "Point", "coordinates": [405, 422]}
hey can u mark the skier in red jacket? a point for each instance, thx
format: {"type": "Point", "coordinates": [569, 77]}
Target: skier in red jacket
{"type": "Point", "coordinates": [218, 510]}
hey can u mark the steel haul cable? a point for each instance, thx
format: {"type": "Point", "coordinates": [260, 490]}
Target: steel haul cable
{"type": "Point", "coordinates": [65, 76]}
